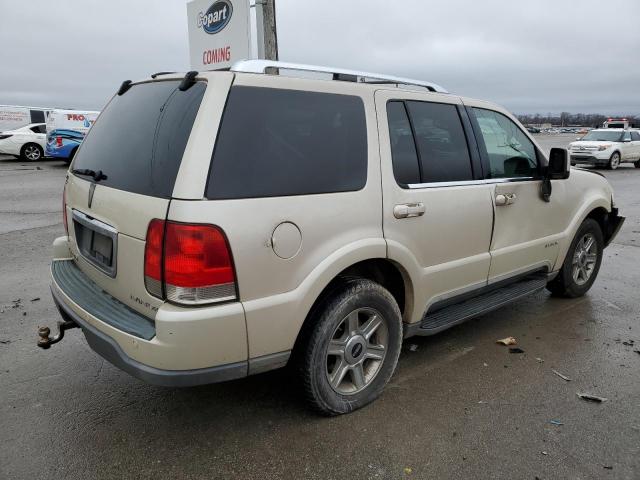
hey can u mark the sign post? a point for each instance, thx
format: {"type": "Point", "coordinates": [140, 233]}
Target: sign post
{"type": "Point", "coordinates": [219, 33]}
{"type": "Point", "coordinates": [266, 26]}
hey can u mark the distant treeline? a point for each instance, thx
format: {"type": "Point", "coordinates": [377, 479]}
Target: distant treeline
{"type": "Point", "coordinates": [566, 119]}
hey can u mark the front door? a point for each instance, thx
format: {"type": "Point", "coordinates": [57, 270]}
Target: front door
{"type": "Point", "coordinates": [526, 231]}
{"type": "Point", "coordinates": [437, 212]}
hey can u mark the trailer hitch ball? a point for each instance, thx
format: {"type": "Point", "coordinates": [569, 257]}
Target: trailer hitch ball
{"type": "Point", "coordinates": [45, 341]}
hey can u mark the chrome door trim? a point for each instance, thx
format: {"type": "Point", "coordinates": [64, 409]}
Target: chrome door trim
{"type": "Point", "coordinates": [489, 181]}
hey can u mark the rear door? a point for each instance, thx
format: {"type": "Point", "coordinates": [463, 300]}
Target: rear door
{"type": "Point", "coordinates": [635, 141]}
{"type": "Point", "coordinates": [123, 177]}
{"type": "Point", "coordinates": [527, 228]}
{"type": "Point", "coordinates": [627, 146]}
{"type": "Point", "coordinates": [437, 212]}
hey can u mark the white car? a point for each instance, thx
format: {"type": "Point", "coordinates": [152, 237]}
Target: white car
{"type": "Point", "coordinates": [25, 142]}
{"type": "Point", "coordinates": [607, 147]}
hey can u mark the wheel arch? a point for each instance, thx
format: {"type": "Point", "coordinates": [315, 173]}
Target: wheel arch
{"type": "Point", "coordinates": [383, 271]}
{"type": "Point", "coordinates": [37, 145]}
{"type": "Point", "coordinates": [599, 210]}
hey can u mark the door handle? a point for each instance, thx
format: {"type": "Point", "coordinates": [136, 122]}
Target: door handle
{"type": "Point", "coordinates": [504, 199]}
{"type": "Point", "coordinates": [408, 210]}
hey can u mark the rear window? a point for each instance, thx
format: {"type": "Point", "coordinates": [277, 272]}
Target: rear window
{"type": "Point", "coordinates": [139, 139]}
{"type": "Point", "coordinates": [275, 142]}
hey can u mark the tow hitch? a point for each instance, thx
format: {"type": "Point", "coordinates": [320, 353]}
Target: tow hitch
{"type": "Point", "coordinates": [45, 341]}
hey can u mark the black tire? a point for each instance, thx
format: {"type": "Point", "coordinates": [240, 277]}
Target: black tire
{"type": "Point", "coordinates": [31, 152]}
{"type": "Point", "coordinates": [613, 163]}
{"type": "Point", "coordinates": [565, 285]}
{"type": "Point", "coordinates": [637, 164]}
{"type": "Point", "coordinates": [314, 364]}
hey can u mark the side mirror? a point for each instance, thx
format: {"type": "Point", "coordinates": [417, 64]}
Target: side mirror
{"type": "Point", "coordinates": [558, 168]}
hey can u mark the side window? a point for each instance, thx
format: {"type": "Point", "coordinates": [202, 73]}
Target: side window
{"type": "Point", "coordinates": [442, 145]}
{"type": "Point", "coordinates": [509, 151]}
{"type": "Point", "coordinates": [626, 137]}
{"type": "Point", "coordinates": [403, 148]}
{"type": "Point", "coordinates": [635, 136]}
{"type": "Point", "coordinates": [35, 129]}
{"type": "Point", "coordinates": [276, 142]}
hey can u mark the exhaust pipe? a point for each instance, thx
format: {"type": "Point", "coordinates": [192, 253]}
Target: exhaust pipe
{"type": "Point", "coordinates": [45, 341]}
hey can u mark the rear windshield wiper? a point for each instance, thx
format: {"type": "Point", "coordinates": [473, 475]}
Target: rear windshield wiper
{"type": "Point", "coordinates": [97, 176]}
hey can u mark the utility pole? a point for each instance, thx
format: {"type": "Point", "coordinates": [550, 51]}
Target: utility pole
{"type": "Point", "coordinates": [266, 26]}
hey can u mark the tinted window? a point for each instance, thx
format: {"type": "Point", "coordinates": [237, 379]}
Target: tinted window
{"type": "Point", "coordinates": [509, 151]}
{"type": "Point", "coordinates": [635, 136]}
{"type": "Point", "coordinates": [442, 145]}
{"type": "Point", "coordinates": [403, 148]}
{"type": "Point", "coordinates": [139, 139]}
{"type": "Point", "coordinates": [275, 142]}
{"type": "Point", "coordinates": [37, 116]}
{"type": "Point", "coordinates": [39, 129]}
{"type": "Point", "coordinates": [626, 136]}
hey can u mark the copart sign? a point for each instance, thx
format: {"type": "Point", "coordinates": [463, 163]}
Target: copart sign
{"type": "Point", "coordinates": [218, 33]}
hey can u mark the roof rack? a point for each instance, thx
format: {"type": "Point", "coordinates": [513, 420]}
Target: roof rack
{"type": "Point", "coordinates": [261, 66]}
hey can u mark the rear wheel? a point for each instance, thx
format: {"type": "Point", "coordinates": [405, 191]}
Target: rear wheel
{"type": "Point", "coordinates": [614, 161]}
{"type": "Point", "coordinates": [582, 263]}
{"type": "Point", "coordinates": [31, 152]}
{"type": "Point", "coordinates": [351, 348]}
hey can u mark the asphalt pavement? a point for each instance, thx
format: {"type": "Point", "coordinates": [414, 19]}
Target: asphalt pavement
{"type": "Point", "coordinates": [459, 405]}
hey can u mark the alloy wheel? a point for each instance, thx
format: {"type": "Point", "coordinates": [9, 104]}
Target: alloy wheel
{"type": "Point", "coordinates": [32, 152]}
{"type": "Point", "coordinates": [585, 258]}
{"type": "Point", "coordinates": [615, 161]}
{"type": "Point", "coordinates": [357, 351]}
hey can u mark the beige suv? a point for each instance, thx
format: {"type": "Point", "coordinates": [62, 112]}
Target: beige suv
{"type": "Point", "coordinates": [222, 224]}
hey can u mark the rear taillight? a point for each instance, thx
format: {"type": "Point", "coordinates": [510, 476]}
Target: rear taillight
{"type": "Point", "coordinates": [58, 141]}
{"type": "Point", "coordinates": [192, 262]}
{"type": "Point", "coordinates": [64, 209]}
{"type": "Point", "coordinates": [153, 258]}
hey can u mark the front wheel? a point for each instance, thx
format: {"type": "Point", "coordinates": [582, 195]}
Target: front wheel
{"type": "Point", "coordinates": [352, 348]}
{"type": "Point", "coordinates": [31, 152]}
{"type": "Point", "coordinates": [582, 263]}
{"type": "Point", "coordinates": [614, 161]}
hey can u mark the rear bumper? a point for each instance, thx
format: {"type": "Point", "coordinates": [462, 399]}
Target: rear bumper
{"type": "Point", "coordinates": [111, 351]}
{"type": "Point", "coordinates": [180, 347]}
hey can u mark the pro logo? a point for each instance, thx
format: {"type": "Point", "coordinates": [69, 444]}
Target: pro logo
{"type": "Point", "coordinates": [216, 17]}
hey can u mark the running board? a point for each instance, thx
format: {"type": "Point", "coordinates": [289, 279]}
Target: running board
{"type": "Point", "coordinates": [436, 321]}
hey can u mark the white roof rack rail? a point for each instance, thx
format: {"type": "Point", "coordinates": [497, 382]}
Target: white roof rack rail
{"type": "Point", "coordinates": [261, 66]}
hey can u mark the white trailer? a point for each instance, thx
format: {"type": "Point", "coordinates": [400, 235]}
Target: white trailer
{"type": "Point", "coordinates": [16, 116]}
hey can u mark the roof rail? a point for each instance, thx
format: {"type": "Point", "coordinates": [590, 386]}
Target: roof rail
{"type": "Point", "coordinates": [261, 66]}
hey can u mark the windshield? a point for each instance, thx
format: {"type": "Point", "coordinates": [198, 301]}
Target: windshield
{"type": "Point", "coordinates": [138, 141]}
{"type": "Point", "coordinates": [601, 136]}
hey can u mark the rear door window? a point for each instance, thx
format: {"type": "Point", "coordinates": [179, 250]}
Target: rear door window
{"type": "Point", "coordinates": [507, 150]}
{"type": "Point", "coordinates": [140, 137]}
{"type": "Point", "coordinates": [428, 143]}
{"type": "Point", "coordinates": [442, 145]}
{"type": "Point", "coordinates": [406, 168]}
{"type": "Point", "coordinates": [276, 142]}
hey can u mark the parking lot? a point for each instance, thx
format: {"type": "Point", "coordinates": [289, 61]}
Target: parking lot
{"type": "Point", "coordinates": [459, 405]}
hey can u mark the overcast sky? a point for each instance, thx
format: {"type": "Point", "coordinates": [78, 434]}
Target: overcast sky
{"type": "Point", "coordinates": [531, 56]}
